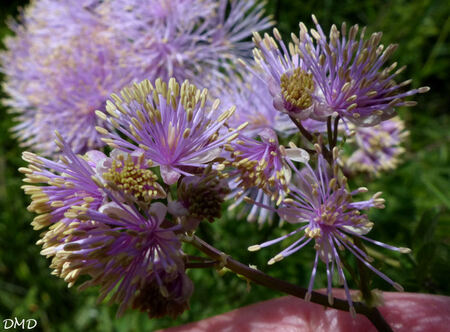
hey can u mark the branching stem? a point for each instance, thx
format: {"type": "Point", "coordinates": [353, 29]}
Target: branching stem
{"type": "Point", "coordinates": [303, 131]}
{"type": "Point", "coordinates": [263, 279]}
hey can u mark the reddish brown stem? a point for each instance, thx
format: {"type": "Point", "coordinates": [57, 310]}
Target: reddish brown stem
{"type": "Point", "coordinates": [263, 279]}
{"type": "Point", "coordinates": [302, 129]}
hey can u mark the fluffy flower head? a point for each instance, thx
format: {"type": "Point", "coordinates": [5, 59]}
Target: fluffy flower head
{"type": "Point", "coordinates": [259, 169]}
{"type": "Point", "coordinates": [321, 205]}
{"type": "Point", "coordinates": [351, 75]}
{"type": "Point", "coordinates": [290, 85]}
{"type": "Point", "coordinates": [175, 126]}
{"type": "Point", "coordinates": [378, 147]}
{"type": "Point", "coordinates": [96, 229]}
{"type": "Point", "coordinates": [118, 247]}
{"type": "Point", "coordinates": [345, 74]}
{"type": "Point", "coordinates": [130, 175]}
{"type": "Point", "coordinates": [185, 39]}
{"type": "Point", "coordinates": [260, 164]}
{"type": "Point", "coordinates": [63, 87]}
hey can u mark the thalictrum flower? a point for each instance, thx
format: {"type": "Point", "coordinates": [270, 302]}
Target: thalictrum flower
{"type": "Point", "coordinates": [344, 75]}
{"type": "Point", "coordinates": [321, 205]}
{"type": "Point", "coordinates": [58, 74]}
{"type": "Point", "coordinates": [124, 252]}
{"type": "Point", "coordinates": [175, 126]}
{"type": "Point", "coordinates": [288, 81]}
{"type": "Point", "coordinates": [350, 74]}
{"type": "Point", "coordinates": [96, 230]}
{"type": "Point", "coordinates": [262, 165]}
{"type": "Point", "coordinates": [378, 147]}
{"type": "Point", "coordinates": [185, 39]}
{"type": "Point", "coordinates": [65, 89]}
{"type": "Point", "coordinates": [130, 175]}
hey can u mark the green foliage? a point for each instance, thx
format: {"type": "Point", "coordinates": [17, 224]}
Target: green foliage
{"type": "Point", "coordinates": [417, 213]}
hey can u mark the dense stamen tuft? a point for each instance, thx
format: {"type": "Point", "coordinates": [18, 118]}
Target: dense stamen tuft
{"type": "Point", "coordinates": [297, 88]}
{"type": "Point", "coordinates": [203, 196]}
{"type": "Point", "coordinates": [132, 179]}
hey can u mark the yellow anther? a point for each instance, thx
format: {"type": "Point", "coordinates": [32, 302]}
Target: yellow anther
{"type": "Point", "coordinates": [132, 179]}
{"type": "Point", "coordinates": [297, 88]}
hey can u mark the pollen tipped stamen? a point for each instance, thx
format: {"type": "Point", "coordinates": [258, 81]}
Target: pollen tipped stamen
{"type": "Point", "coordinates": [130, 178]}
{"type": "Point", "coordinates": [297, 88]}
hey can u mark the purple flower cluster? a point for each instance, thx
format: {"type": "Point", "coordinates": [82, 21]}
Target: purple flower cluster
{"type": "Point", "coordinates": [178, 151]}
{"type": "Point", "coordinates": [69, 182]}
{"type": "Point", "coordinates": [67, 58]}
{"type": "Point", "coordinates": [186, 39]}
{"type": "Point", "coordinates": [103, 215]}
{"type": "Point", "coordinates": [57, 80]}
{"type": "Point", "coordinates": [94, 229]}
{"type": "Point", "coordinates": [126, 253]}
{"type": "Point", "coordinates": [378, 147]}
{"type": "Point", "coordinates": [344, 74]}
{"type": "Point", "coordinates": [176, 127]}
{"type": "Point", "coordinates": [320, 203]}
{"type": "Point", "coordinates": [258, 169]}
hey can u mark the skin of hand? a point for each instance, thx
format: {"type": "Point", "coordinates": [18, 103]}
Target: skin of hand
{"type": "Point", "coordinates": [403, 311]}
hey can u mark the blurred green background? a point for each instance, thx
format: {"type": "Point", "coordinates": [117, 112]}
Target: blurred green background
{"type": "Point", "coordinates": [417, 193]}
